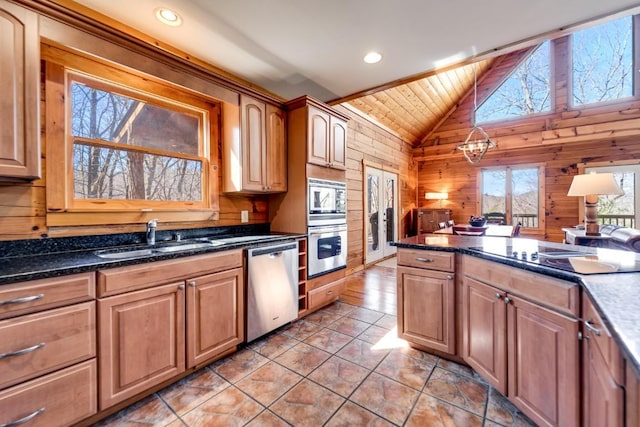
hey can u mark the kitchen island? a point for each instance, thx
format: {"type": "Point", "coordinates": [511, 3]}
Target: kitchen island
{"type": "Point", "coordinates": [521, 315]}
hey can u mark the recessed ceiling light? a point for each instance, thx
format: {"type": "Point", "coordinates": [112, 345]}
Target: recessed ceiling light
{"type": "Point", "coordinates": [168, 16]}
{"type": "Point", "coordinates": [372, 57]}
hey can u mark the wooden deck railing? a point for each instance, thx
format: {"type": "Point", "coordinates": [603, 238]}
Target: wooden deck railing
{"type": "Point", "coordinates": [617, 219]}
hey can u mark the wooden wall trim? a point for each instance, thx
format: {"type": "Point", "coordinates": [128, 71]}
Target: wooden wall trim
{"type": "Point", "coordinates": [64, 19]}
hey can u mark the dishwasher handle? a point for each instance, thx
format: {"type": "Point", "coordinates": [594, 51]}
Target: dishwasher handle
{"type": "Point", "coordinates": [273, 251]}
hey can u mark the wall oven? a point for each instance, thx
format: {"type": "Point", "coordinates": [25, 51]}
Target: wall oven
{"type": "Point", "coordinates": [326, 202]}
{"type": "Point", "coordinates": [327, 249]}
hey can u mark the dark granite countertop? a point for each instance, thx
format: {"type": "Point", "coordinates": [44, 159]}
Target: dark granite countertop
{"type": "Point", "coordinates": [616, 296]}
{"type": "Point", "coordinates": [38, 259]}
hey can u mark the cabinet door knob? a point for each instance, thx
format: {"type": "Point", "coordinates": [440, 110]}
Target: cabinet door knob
{"type": "Point", "coordinates": [449, 277]}
{"type": "Point", "coordinates": [192, 283]}
{"type": "Point", "coordinates": [507, 300]}
{"type": "Point", "coordinates": [498, 296]}
{"type": "Point", "coordinates": [181, 287]}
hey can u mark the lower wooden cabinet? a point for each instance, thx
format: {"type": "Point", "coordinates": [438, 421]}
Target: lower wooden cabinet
{"type": "Point", "coordinates": [61, 398]}
{"type": "Point", "coordinates": [151, 332]}
{"type": "Point", "coordinates": [215, 315]}
{"type": "Point", "coordinates": [142, 337]}
{"type": "Point", "coordinates": [426, 308]}
{"type": "Point", "coordinates": [527, 352]}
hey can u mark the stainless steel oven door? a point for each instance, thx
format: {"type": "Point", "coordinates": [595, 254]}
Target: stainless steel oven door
{"type": "Point", "coordinates": [327, 249]}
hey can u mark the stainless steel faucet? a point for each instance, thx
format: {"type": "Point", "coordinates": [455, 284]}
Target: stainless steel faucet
{"type": "Point", "coordinates": [151, 231]}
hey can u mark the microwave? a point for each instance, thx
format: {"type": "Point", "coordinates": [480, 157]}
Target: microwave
{"type": "Point", "coordinates": [327, 202]}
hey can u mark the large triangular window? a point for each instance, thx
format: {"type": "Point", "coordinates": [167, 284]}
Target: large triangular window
{"type": "Point", "coordinates": [526, 91]}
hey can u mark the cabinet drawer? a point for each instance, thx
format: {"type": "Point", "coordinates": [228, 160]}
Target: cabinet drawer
{"type": "Point", "coordinates": [130, 278]}
{"type": "Point", "coordinates": [433, 260]}
{"type": "Point", "coordinates": [325, 294]}
{"type": "Point", "coordinates": [597, 332]}
{"type": "Point", "coordinates": [27, 297]}
{"type": "Point", "coordinates": [554, 293]}
{"type": "Point", "coordinates": [67, 396]}
{"type": "Point", "coordinates": [39, 343]}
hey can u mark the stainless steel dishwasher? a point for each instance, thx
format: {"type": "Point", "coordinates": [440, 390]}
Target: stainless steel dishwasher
{"type": "Point", "coordinates": [272, 289]}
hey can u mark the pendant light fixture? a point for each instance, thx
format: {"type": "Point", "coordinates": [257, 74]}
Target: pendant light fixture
{"type": "Point", "coordinates": [478, 142]}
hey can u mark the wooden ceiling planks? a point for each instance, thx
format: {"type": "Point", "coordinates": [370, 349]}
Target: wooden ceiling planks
{"type": "Point", "coordinates": [413, 109]}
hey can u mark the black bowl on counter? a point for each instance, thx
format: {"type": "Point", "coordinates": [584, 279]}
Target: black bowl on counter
{"type": "Point", "coordinates": [481, 223]}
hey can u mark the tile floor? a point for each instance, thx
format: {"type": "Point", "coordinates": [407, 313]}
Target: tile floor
{"type": "Point", "coordinates": [340, 366]}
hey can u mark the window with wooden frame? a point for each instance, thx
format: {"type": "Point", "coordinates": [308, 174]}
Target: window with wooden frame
{"type": "Point", "coordinates": [517, 192]}
{"type": "Point", "coordinates": [130, 146]}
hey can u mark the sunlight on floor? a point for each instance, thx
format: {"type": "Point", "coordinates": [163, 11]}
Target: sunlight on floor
{"type": "Point", "coordinates": [390, 341]}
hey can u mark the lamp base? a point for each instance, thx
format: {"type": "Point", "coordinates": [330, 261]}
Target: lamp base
{"type": "Point", "coordinates": [591, 215]}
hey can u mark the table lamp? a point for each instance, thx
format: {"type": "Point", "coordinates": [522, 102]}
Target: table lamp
{"type": "Point", "coordinates": [436, 196]}
{"type": "Point", "coordinates": [590, 186]}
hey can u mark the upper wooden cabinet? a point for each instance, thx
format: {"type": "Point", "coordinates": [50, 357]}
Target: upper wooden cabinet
{"type": "Point", "coordinates": [254, 147]}
{"type": "Point", "coordinates": [20, 101]}
{"type": "Point", "coordinates": [322, 129]}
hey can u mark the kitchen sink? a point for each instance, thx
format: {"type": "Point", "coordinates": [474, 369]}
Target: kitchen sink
{"type": "Point", "coordinates": [188, 246]}
{"type": "Point", "coordinates": [124, 253]}
{"type": "Point", "coordinates": [127, 253]}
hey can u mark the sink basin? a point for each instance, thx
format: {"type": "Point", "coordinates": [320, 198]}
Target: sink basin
{"type": "Point", "coordinates": [124, 254]}
{"type": "Point", "coordinates": [136, 253]}
{"type": "Point", "coordinates": [188, 246]}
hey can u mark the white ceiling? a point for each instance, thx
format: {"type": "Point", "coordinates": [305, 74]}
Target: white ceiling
{"type": "Point", "coordinates": [315, 47]}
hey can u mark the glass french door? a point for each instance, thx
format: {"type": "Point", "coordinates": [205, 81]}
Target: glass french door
{"type": "Point", "coordinates": [381, 213]}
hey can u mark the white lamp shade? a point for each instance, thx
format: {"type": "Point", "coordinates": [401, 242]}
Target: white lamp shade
{"type": "Point", "coordinates": [594, 183]}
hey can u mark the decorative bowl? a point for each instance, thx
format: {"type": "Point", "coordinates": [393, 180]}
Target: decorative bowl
{"type": "Point", "coordinates": [476, 221]}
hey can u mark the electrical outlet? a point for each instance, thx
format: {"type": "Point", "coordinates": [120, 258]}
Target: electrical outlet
{"type": "Point", "coordinates": [244, 216]}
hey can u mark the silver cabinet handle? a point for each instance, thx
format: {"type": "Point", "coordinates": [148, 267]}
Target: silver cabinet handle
{"type": "Point", "coordinates": [589, 325]}
{"type": "Point", "coordinates": [24, 419]}
{"type": "Point", "coordinates": [449, 277]}
{"type": "Point", "coordinates": [181, 287]}
{"type": "Point", "coordinates": [20, 352]}
{"type": "Point", "coordinates": [192, 283]}
{"type": "Point", "coordinates": [329, 292]}
{"type": "Point", "coordinates": [507, 300]}
{"type": "Point", "coordinates": [21, 300]}
{"type": "Point", "coordinates": [498, 296]}
{"type": "Point", "coordinates": [424, 259]}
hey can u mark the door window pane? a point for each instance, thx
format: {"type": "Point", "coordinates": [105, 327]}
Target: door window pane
{"type": "Point", "coordinates": [525, 200]}
{"type": "Point", "coordinates": [373, 205]}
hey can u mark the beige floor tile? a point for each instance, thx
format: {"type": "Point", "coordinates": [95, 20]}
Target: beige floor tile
{"type": "Point", "coordinates": [455, 367]}
{"type": "Point", "coordinates": [193, 390]}
{"type": "Point", "coordinates": [323, 317]}
{"type": "Point", "coordinates": [149, 411]}
{"type": "Point", "coordinates": [417, 354]}
{"type": "Point", "coordinates": [328, 340]}
{"type": "Point", "coordinates": [239, 365]}
{"type": "Point", "coordinates": [176, 423]}
{"type": "Point", "coordinates": [350, 415]}
{"type": "Point", "coordinates": [268, 383]}
{"type": "Point", "coordinates": [362, 353]}
{"type": "Point", "coordinates": [406, 370]}
{"type": "Point", "coordinates": [366, 315]}
{"type": "Point", "coordinates": [432, 412]}
{"type": "Point", "coordinates": [388, 321]}
{"type": "Point", "coordinates": [267, 419]}
{"type": "Point", "coordinates": [230, 407]}
{"type": "Point", "coordinates": [301, 329]}
{"type": "Point", "coordinates": [302, 358]}
{"type": "Point", "coordinates": [307, 404]}
{"type": "Point", "coordinates": [339, 375]}
{"type": "Point", "coordinates": [349, 326]}
{"type": "Point", "coordinates": [458, 390]}
{"type": "Point", "coordinates": [273, 345]}
{"type": "Point", "coordinates": [339, 307]}
{"type": "Point", "coordinates": [503, 412]}
{"type": "Point", "coordinates": [385, 397]}
{"type": "Point", "coordinates": [374, 334]}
